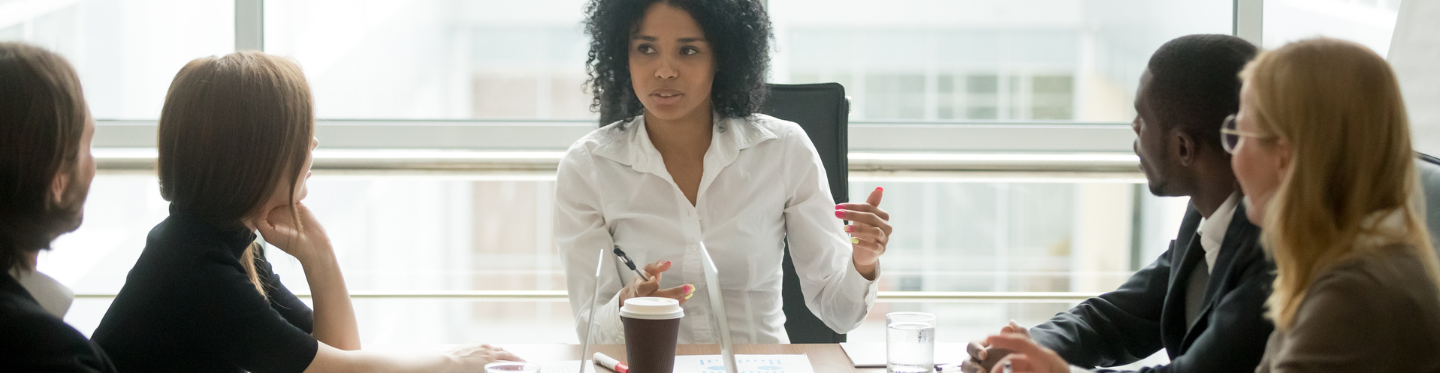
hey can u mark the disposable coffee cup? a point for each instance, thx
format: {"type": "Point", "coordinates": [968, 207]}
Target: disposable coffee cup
{"type": "Point", "coordinates": [651, 327]}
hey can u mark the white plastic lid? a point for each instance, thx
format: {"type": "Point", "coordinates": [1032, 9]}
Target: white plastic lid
{"type": "Point", "coordinates": [652, 308]}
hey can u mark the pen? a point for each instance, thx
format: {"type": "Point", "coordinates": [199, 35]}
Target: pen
{"type": "Point", "coordinates": [629, 263]}
{"type": "Point", "coordinates": [611, 363]}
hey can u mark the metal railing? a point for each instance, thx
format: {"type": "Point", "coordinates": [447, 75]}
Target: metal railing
{"type": "Point", "coordinates": [561, 296]}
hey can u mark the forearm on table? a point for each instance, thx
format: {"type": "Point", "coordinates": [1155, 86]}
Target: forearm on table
{"type": "Point", "coordinates": [330, 359]}
{"type": "Point", "coordinates": [334, 323]}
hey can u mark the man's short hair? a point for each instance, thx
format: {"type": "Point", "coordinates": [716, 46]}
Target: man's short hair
{"type": "Point", "coordinates": [1195, 83]}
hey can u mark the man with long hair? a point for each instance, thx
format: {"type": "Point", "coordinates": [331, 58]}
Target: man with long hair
{"type": "Point", "coordinates": [45, 173]}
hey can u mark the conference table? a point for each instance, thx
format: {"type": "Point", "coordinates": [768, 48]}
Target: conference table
{"type": "Point", "coordinates": [825, 358]}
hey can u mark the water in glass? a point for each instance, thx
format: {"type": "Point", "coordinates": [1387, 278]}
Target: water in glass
{"type": "Point", "coordinates": [910, 343]}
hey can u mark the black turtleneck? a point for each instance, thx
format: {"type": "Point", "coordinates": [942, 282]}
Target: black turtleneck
{"type": "Point", "coordinates": [188, 306]}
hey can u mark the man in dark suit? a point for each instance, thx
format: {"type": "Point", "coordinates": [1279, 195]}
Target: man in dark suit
{"type": "Point", "coordinates": [45, 173]}
{"type": "Point", "coordinates": [1203, 299]}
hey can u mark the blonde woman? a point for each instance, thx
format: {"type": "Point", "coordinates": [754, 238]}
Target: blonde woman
{"type": "Point", "coordinates": [235, 137]}
{"type": "Point", "coordinates": [1322, 151]}
{"type": "Point", "coordinates": [1322, 147]}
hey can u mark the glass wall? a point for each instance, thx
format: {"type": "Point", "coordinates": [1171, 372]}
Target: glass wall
{"type": "Point", "coordinates": [1368, 22]}
{"type": "Point", "coordinates": [393, 62]}
{"type": "Point", "coordinates": [126, 52]}
{"type": "Point", "coordinates": [1065, 60]}
{"type": "Point", "coordinates": [434, 59]}
{"type": "Point", "coordinates": [438, 233]}
{"type": "Point", "coordinates": [907, 60]}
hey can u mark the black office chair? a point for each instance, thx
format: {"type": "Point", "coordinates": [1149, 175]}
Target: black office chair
{"type": "Point", "coordinates": [1428, 170]}
{"type": "Point", "coordinates": [822, 110]}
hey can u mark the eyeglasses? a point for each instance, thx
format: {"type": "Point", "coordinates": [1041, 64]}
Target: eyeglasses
{"type": "Point", "coordinates": [1230, 134]}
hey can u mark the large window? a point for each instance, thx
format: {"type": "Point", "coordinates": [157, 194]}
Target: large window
{"type": "Point", "coordinates": [432, 59]}
{"type": "Point", "coordinates": [1368, 22]}
{"type": "Point", "coordinates": [999, 129]}
{"type": "Point", "coordinates": [1068, 60]}
{"type": "Point", "coordinates": [126, 52]}
{"type": "Point", "coordinates": [437, 256]}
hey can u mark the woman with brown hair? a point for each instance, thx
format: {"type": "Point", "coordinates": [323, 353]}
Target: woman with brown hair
{"type": "Point", "coordinates": [235, 137]}
{"type": "Point", "coordinates": [45, 173]}
{"type": "Point", "coordinates": [1322, 150]}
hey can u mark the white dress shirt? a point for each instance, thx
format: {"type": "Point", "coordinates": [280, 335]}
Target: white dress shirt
{"type": "Point", "coordinates": [762, 183]}
{"type": "Point", "coordinates": [1212, 230]}
{"type": "Point", "coordinates": [52, 296]}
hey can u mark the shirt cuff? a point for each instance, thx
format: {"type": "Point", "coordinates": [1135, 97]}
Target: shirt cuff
{"type": "Point", "coordinates": [607, 328]}
{"type": "Point", "coordinates": [857, 284]}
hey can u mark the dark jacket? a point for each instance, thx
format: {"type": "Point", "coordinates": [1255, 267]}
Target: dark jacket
{"type": "Point", "coordinates": [32, 340]}
{"type": "Point", "coordinates": [1147, 313]}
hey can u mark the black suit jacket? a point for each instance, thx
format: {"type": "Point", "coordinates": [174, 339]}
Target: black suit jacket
{"type": "Point", "coordinates": [1147, 313]}
{"type": "Point", "coordinates": [32, 340]}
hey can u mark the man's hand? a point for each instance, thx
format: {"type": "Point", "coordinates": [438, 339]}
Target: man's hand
{"type": "Point", "coordinates": [1028, 357]}
{"type": "Point", "coordinates": [983, 357]}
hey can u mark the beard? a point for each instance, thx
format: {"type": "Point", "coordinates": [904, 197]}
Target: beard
{"type": "Point", "coordinates": [66, 216]}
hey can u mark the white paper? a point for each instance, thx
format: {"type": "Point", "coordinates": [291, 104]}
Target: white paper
{"type": "Point", "coordinates": [748, 364]}
{"type": "Point", "coordinates": [708, 364]}
{"type": "Point", "coordinates": [568, 366]}
{"type": "Point", "coordinates": [872, 355]}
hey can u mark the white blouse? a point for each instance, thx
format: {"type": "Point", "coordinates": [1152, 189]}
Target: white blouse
{"type": "Point", "coordinates": [762, 182]}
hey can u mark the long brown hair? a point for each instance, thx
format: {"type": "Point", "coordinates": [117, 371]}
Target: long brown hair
{"type": "Point", "coordinates": [232, 128]}
{"type": "Point", "coordinates": [1339, 106]}
{"type": "Point", "coordinates": [42, 120]}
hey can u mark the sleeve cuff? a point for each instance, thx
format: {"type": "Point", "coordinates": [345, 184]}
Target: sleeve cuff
{"type": "Point", "coordinates": [607, 328]}
{"type": "Point", "coordinates": [857, 284]}
{"type": "Point", "coordinates": [853, 282]}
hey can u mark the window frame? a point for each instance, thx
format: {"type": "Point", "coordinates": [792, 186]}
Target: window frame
{"type": "Point", "coordinates": [941, 149]}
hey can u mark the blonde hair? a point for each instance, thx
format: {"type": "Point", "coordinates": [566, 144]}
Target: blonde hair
{"type": "Point", "coordinates": [253, 254]}
{"type": "Point", "coordinates": [233, 127]}
{"type": "Point", "coordinates": [1339, 106]}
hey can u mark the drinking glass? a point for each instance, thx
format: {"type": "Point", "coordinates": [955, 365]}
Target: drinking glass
{"type": "Point", "coordinates": [910, 342]}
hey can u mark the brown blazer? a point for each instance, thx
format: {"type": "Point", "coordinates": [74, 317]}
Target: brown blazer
{"type": "Point", "coordinates": [1378, 313]}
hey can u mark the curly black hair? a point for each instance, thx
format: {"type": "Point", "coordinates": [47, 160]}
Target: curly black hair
{"type": "Point", "coordinates": [739, 30]}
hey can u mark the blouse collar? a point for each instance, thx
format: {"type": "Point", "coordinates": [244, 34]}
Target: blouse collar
{"type": "Point", "coordinates": [628, 142]}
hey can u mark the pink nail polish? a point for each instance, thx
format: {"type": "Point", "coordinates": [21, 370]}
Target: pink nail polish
{"type": "Point", "coordinates": [689, 289]}
{"type": "Point", "coordinates": [837, 207]}
{"type": "Point", "coordinates": [849, 228]}
{"type": "Point", "coordinates": [667, 262]}
{"type": "Point", "coordinates": [840, 214]}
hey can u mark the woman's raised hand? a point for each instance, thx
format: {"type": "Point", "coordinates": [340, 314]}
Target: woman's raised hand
{"type": "Point", "coordinates": [869, 231]}
{"type": "Point", "coordinates": [303, 241]}
{"type": "Point", "coordinates": [641, 288]}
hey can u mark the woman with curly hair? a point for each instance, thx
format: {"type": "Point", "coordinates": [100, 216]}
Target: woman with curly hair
{"type": "Point", "coordinates": [686, 161]}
